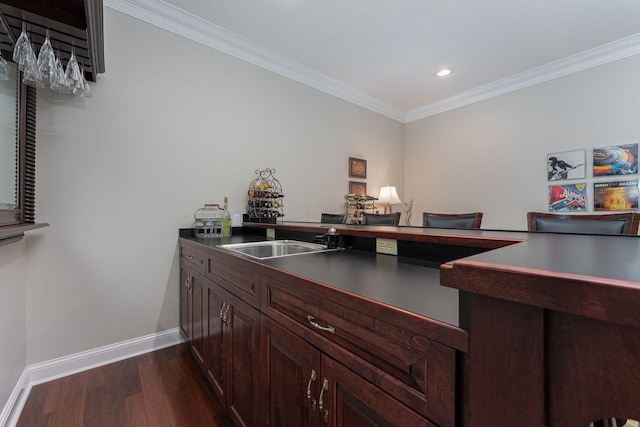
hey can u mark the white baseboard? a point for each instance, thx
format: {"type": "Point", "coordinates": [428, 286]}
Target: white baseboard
{"type": "Point", "coordinates": [61, 367]}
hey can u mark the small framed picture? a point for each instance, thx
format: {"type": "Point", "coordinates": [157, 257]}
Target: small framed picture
{"type": "Point", "coordinates": [616, 195]}
{"type": "Point", "coordinates": [615, 160]}
{"type": "Point", "coordinates": [357, 168]}
{"type": "Point", "coordinates": [566, 165]}
{"type": "Point", "coordinates": [568, 197]}
{"type": "Point", "coordinates": [359, 188]}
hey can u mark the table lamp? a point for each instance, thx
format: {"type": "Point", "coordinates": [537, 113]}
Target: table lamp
{"type": "Point", "coordinates": [388, 196]}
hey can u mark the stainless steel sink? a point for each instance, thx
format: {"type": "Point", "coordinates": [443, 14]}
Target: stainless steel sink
{"type": "Point", "coordinates": [275, 248]}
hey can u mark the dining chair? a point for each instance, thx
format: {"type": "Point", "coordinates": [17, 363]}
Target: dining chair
{"type": "Point", "coordinates": [440, 220]}
{"type": "Point", "coordinates": [381, 219]}
{"type": "Point", "coordinates": [329, 218]}
{"type": "Point", "coordinates": [616, 223]}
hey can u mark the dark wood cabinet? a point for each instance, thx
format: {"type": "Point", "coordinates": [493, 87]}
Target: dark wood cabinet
{"type": "Point", "coordinates": [191, 265]}
{"type": "Point", "coordinates": [308, 388]}
{"type": "Point", "coordinates": [290, 378]}
{"type": "Point", "coordinates": [348, 400]}
{"type": "Point", "coordinates": [217, 346]}
{"type": "Point", "coordinates": [281, 351]}
{"type": "Point", "coordinates": [242, 344]}
{"type": "Point", "coordinates": [186, 303]}
{"type": "Point", "coordinates": [193, 311]}
{"type": "Point", "coordinates": [232, 353]}
{"type": "Point", "coordinates": [223, 333]}
{"type": "Point", "coordinates": [393, 351]}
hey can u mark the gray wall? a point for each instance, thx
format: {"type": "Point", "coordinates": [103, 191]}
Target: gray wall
{"type": "Point", "coordinates": [172, 125]}
{"type": "Point", "coordinates": [491, 156]}
{"type": "Point", "coordinates": [13, 353]}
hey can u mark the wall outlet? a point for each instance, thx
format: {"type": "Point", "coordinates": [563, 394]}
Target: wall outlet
{"type": "Point", "coordinates": [236, 220]}
{"type": "Point", "coordinates": [271, 233]}
{"type": "Point", "coordinates": [387, 246]}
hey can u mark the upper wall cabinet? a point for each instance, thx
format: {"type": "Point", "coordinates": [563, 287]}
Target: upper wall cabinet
{"type": "Point", "coordinates": [72, 24]}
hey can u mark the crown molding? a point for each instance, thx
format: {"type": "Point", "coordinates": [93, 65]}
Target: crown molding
{"type": "Point", "coordinates": [591, 58]}
{"type": "Point", "coordinates": [177, 21]}
{"type": "Point", "coordinates": [182, 23]}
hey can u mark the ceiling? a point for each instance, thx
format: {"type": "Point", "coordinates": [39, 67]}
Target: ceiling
{"type": "Point", "coordinates": [385, 53]}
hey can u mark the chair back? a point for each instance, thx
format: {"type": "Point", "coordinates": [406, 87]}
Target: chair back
{"type": "Point", "coordinates": [329, 218]}
{"type": "Point", "coordinates": [618, 223]}
{"type": "Point", "coordinates": [381, 219]}
{"type": "Point", "coordinates": [464, 220]}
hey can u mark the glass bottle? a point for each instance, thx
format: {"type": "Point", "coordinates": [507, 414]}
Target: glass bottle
{"type": "Point", "coordinates": [226, 218]}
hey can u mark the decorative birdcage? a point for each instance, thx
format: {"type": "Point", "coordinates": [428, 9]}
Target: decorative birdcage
{"type": "Point", "coordinates": [265, 197]}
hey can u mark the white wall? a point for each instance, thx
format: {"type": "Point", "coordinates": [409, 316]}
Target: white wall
{"type": "Point", "coordinates": [13, 354]}
{"type": "Point", "coordinates": [172, 125]}
{"type": "Point", "coordinates": [491, 156]}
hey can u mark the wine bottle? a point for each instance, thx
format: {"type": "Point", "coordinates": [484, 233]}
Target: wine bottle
{"type": "Point", "coordinates": [226, 219]}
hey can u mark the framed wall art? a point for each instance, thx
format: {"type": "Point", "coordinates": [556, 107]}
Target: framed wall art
{"type": "Point", "coordinates": [615, 160]}
{"type": "Point", "coordinates": [357, 168]}
{"type": "Point", "coordinates": [359, 188]}
{"type": "Point", "coordinates": [616, 195]}
{"type": "Point", "coordinates": [566, 165]}
{"type": "Point", "coordinates": [568, 197]}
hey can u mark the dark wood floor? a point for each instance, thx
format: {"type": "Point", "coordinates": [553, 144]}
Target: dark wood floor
{"type": "Point", "coordinates": [161, 388]}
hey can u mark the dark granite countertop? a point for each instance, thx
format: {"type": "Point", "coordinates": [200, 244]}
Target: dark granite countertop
{"type": "Point", "coordinates": [414, 285]}
{"type": "Point", "coordinates": [588, 257]}
{"type": "Point", "coordinates": [402, 283]}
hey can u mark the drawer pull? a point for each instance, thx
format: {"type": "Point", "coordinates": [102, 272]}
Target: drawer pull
{"type": "Point", "coordinates": [317, 325]}
{"type": "Point", "coordinates": [311, 380]}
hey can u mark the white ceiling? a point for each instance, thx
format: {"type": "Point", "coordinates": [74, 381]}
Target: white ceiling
{"type": "Point", "coordinates": [384, 54]}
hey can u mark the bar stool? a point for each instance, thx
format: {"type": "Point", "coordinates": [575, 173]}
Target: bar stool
{"type": "Point", "coordinates": [381, 219]}
{"type": "Point", "coordinates": [440, 220]}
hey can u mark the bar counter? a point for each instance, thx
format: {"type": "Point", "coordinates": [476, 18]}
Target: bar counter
{"type": "Point", "coordinates": [552, 319]}
{"type": "Point", "coordinates": [554, 336]}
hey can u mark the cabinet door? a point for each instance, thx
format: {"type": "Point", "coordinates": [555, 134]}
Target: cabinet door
{"type": "Point", "coordinates": [242, 341]}
{"type": "Point", "coordinates": [349, 400]}
{"type": "Point", "coordinates": [186, 303]}
{"type": "Point", "coordinates": [200, 312]}
{"type": "Point", "coordinates": [291, 378]}
{"type": "Point", "coordinates": [217, 350]}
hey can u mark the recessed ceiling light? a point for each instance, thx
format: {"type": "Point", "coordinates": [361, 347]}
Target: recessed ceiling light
{"type": "Point", "coordinates": [444, 72]}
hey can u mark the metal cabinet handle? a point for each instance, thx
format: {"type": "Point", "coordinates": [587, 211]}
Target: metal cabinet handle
{"type": "Point", "coordinates": [317, 325]}
{"type": "Point", "coordinates": [225, 316]}
{"type": "Point", "coordinates": [311, 380]}
{"type": "Point", "coordinates": [188, 283]}
{"type": "Point", "coordinates": [325, 413]}
{"type": "Point", "coordinates": [222, 311]}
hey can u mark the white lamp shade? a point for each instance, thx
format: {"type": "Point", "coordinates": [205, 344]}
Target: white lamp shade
{"type": "Point", "coordinates": [389, 195]}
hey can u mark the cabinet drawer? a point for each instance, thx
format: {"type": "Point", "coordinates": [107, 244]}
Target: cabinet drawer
{"type": "Point", "coordinates": [193, 258]}
{"type": "Point", "coordinates": [239, 278]}
{"type": "Point", "coordinates": [419, 371]}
